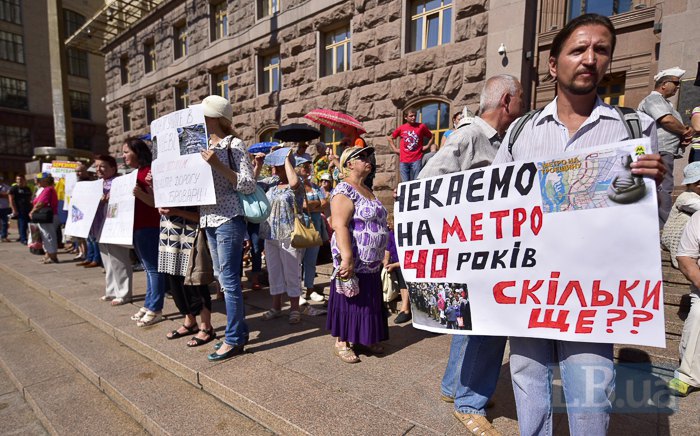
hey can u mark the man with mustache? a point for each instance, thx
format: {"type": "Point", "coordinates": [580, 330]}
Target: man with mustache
{"type": "Point", "coordinates": [577, 119]}
{"type": "Point", "coordinates": [673, 135]}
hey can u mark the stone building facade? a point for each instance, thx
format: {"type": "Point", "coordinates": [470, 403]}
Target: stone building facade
{"type": "Point", "coordinates": [26, 116]}
{"type": "Point", "coordinates": [385, 76]}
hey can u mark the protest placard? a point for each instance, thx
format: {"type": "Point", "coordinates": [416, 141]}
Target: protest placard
{"type": "Point", "coordinates": [84, 202]}
{"type": "Point", "coordinates": [119, 224]}
{"type": "Point", "coordinates": [180, 176]}
{"type": "Point", "coordinates": [563, 248]}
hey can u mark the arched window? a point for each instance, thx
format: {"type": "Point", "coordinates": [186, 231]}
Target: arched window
{"type": "Point", "coordinates": [435, 115]}
{"type": "Point", "coordinates": [266, 135]}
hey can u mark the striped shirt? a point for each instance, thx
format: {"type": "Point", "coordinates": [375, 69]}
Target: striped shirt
{"type": "Point", "coordinates": [545, 135]}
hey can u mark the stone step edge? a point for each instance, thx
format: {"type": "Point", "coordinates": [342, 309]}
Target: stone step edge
{"type": "Point", "coordinates": [256, 412]}
{"type": "Point", "coordinates": [146, 423]}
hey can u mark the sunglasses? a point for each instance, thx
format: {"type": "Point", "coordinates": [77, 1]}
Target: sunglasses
{"type": "Point", "coordinates": [362, 157]}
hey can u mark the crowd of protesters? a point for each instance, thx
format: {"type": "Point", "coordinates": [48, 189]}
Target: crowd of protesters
{"type": "Point", "coordinates": [334, 195]}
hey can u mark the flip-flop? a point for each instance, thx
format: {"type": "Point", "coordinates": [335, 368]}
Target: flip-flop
{"type": "Point", "coordinates": [196, 342]}
{"type": "Point", "coordinates": [192, 330]}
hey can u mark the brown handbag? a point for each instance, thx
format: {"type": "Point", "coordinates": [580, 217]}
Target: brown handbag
{"type": "Point", "coordinates": [304, 236]}
{"type": "Point", "coordinates": [200, 267]}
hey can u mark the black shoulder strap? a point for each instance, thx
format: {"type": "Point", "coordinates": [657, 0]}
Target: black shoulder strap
{"type": "Point", "coordinates": [518, 128]}
{"type": "Point", "coordinates": [631, 119]}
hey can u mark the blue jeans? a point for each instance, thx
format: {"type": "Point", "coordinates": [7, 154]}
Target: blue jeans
{"type": "Point", "coordinates": [409, 170]}
{"type": "Point", "coordinates": [146, 246]}
{"type": "Point", "coordinates": [256, 247]}
{"type": "Point", "coordinates": [226, 247]}
{"type": "Point", "coordinates": [587, 376]}
{"type": "Point", "coordinates": [93, 251]}
{"type": "Point", "coordinates": [22, 226]}
{"type": "Point", "coordinates": [4, 222]}
{"type": "Point", "coordinates": [472, 371]}
{"type": "Point", "coordinates": [308, 265]}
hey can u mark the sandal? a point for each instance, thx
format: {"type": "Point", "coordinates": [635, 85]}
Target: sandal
{"type": "Point", "coordinates": [294, 317]}
{"type": "Point", "coordinates": [150, 318]}
{"type": "Point", "coordinates": [191, 330]}
{"type": "Point", "coordinates": [346, 354]}
{"type": "Point", "coordinates": [271, 314]}
{"type": "Point", "coordinates": [138, 315]}
{"type": "Point", "coordinates": [196, 342]}
{"type": "Point", "coordinates": [120, 301]}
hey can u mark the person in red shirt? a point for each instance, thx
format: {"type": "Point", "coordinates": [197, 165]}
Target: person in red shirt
{"type": "Point", "coordinates": [411, 146]}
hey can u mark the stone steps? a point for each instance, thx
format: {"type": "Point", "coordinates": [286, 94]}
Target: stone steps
{"type": "Point", "coordinates": [82, 362]}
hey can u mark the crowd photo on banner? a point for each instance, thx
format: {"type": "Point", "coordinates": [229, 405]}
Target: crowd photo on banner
{"type": "Point", "coordinates": [512, 227]}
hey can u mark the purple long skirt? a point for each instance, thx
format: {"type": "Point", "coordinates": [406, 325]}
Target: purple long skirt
{"type": "Point", "coordinates": [361, 319]}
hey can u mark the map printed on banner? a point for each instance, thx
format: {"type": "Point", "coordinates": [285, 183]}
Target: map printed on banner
{"type": "Point", "coordinates": [562, 248]}
{"type": "Point", "coordinates": [84, 203]}
{"type": "Point", "coordinates": [119, 224]}
{"type": "Point", "coordinates": [180, 176]}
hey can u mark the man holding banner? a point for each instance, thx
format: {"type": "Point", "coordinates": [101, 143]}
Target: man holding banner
{"type": "Point", "coordinates": [576, 120]}
{"type": "Point", "coordinates": [475, 361]}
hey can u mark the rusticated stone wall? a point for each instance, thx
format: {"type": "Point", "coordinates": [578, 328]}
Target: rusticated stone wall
{"type": "Point", "coordinates": [384, 79]}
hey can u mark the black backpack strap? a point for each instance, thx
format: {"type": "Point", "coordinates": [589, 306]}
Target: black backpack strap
{"type": "Point", "coordinates": [518, 128]}
{"type": "Point", "coordinates": [631, 119]}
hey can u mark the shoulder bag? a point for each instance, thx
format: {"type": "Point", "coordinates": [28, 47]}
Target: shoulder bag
{"type": "Point", "coordinates": [200, 267]}
{"type": "Point", "coordinates": [43, 215]}
{"type": "Point", "coordinates": [304, 236]}
{"type": "Point", "coordinates": [256, 206]}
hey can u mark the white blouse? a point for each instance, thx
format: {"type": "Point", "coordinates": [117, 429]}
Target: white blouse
{"type": "Point", "coordinates": [227, 203]}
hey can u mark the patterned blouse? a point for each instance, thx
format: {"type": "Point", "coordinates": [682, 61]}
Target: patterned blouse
{"type": "Point", "coordinates": [227, 204]}
{"type": "Point", "coordinates": [280, 223]}
{"type": "Point", "coordinates": [368, 230]}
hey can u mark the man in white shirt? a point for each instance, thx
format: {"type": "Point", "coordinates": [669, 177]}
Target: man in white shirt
{"type": "Point", "coordinates": [576, 119]}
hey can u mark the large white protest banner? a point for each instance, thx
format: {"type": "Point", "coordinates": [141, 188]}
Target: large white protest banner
{"type": "Point", "coordinates": [119, 224]}
{"type": "Point", "coordinates": [180, 176]}
{"type": "Point", "coordinates": [563, 248]}
{"type": "Point", "coordinates": [83, 206]}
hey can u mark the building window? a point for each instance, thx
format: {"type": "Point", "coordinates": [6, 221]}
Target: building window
{"type": "Point", "coordinates": [124, 70]}
{"type": "Point", "coordinates": [126, 118]}
{"type": "Point", "coordinates": [82, 142]}
{"type": "Point", "coordinates": [337, 51]}
{"type": "Point", "coordinates": [612, 89]}
{"type": "Point", "coordinates": [182, 97]}
{"type": "Point", "coordinates": [270, 74]}
{"type": "Point", "coordinates": [268, 7]}
{"type": "Point", "coordinates": [431, 23]}
{"type": "Point", "coordinates": [151, 109]}
{"type": "Point", "coordinates": [15, 140]}
{"type": "Point", "coordinates": [268, 135]}
{"type": "Point", "coordinates": [435, 115]}
{"type": "Point", "coordinates": [77, 62]}
{"type": "Point", "coordinates": [219, 84]}
{"type": "Point", "coordinates": [72, 21]}
{"type": "Point", "coordinates": [218, 20]}
{"type": "Point", "coordinates": [11, 47]}
{"type": "Point", "coordinates": [602, 7]}
{"type": "Point", "coordinates": [79, 104]}
{"type": "Point", "coordinates": [149, 56]}
{"type": "Point", "coordinates": [13, 93]}
{"type": "Point", "coordinates": [180, 40]}
{"type": "Point", "coordinates": [11, 11]}
{"type": "Point", "coordinates": [332, 139]}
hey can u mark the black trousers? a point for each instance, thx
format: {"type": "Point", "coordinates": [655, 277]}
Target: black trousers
{"type": "Point", "coordinates": [189, 299]}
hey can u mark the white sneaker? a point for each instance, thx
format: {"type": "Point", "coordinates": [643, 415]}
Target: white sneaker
{"type": "Point", "coordinates": [302, 301]}
{"type": "Point", "coordinates": [315, 296]}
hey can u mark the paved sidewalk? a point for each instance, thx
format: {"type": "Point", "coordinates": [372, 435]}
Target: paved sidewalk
{"type": "Point", "coordinates": [289, 379]}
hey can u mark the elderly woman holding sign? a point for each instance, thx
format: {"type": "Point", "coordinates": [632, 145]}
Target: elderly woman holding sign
{"type": "Point", "coordinates": [224, 222]}
{"type": "Point", "coordinates": [357, 315]}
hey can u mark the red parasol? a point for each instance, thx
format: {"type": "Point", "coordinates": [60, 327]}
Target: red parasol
{"type": "Point", "coordinates": [334, 120]}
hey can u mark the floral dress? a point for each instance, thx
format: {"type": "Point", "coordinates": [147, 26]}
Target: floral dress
{"type": "Point", "coordinates": [280, 223]}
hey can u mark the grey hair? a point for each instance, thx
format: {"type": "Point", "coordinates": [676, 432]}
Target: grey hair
{"type": "Point", "coordinates": [494, 88]}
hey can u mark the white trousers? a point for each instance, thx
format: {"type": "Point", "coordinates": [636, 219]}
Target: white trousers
{"type": "Point", "coordinates": [118, 272]}
{"type": "Point", "coordinates": [689, 348]}
{"type": "Point", "coordinates": [283, 267]}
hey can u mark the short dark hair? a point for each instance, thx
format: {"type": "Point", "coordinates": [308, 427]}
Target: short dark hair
{"type": "Point", "coordinates": [581, 20]}
{"type": "Point", "coordinates": [662, 80]}
{"type": "Point", "coordinates": [410, 110]}
{"type": "Point", "coordinates": [107, 158]}
{"type": "Point", "coordinates": [141, 150]}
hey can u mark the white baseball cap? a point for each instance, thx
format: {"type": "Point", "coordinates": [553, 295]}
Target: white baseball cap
{"type": "Point", "coordinates": [216, 106]}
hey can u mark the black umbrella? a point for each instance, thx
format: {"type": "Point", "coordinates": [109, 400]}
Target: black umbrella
{"type": "Point", "coordinates": [297, 132]}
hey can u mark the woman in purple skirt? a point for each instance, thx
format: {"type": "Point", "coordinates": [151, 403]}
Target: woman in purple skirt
{"type": "Point", "coordinates": [358, 243]}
